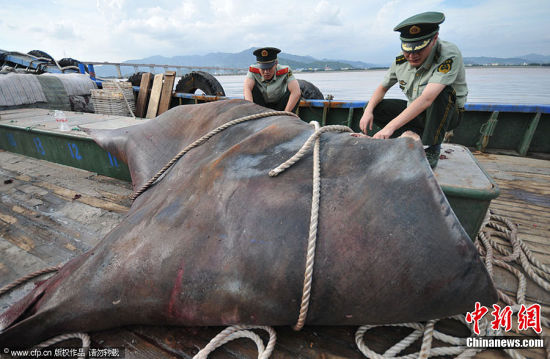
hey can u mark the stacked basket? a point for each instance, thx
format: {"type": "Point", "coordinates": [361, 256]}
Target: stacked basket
{"type": "Point", "coordinates": [116, 98]}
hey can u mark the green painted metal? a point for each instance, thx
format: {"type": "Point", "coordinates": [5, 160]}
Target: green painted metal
{"type": "Point", "coordinates": [350, 116]}
{"type": "Point", "coordinates": [469, 204]}
{"type": "Point", "coordinates": [71, 150]}
{"type": "Point", "coordinates": [529, 133]}
{"type": "Point", "coordinates": [324, 118]}
{"type": "Point", "coordinates": [470, 212]}
{"type": "Point", "coordinates": [541, 141]}
{"type": "Point", "coordinates": [486, 131]}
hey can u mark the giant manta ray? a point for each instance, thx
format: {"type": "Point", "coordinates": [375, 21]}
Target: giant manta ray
{"type": "Point", "coordinates": [216, 241]}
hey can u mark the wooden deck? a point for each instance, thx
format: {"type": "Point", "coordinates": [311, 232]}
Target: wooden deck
{"type": "Point", "coordinates": [50, 213]}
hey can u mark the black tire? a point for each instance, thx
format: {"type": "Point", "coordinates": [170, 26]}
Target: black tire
{"type": "Point", "coordinates": [135, 78]}
{"type": "Point", "coordinates": [310, 91]}
{"type": "Point", "coordinates": [200, 80]}
{"type": "Point", "coordinates": [38, 53]}
{"type": "Point", "coordinates": [67, 61]}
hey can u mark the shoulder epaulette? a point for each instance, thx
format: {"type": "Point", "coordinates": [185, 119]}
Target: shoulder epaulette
{"type": "Point", "coordinates": [254, 70]}
{"type": "Point", "coordinates": [282, 71]}
{"type": "Point", "coordinates": [400, 59]}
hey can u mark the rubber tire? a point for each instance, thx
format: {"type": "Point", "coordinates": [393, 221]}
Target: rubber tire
{"type": "Point", "coordinates": [200, 80]}
{"type": "Point", "coordinates": [67, 61]}
{"type": "Point", "coordinates": [38, 53]}
{"type": "Point", "coordinates": [310, 91]}
{"type": "Point", "coordinates": [135, 78]}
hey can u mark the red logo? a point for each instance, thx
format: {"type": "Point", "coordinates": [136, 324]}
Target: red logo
{"type": "Point", "coordinates": [528, 317]}
{"type": "Point", "coordinates": [502, 318]}
{"type": "Point", "coordinates": [476, 316]}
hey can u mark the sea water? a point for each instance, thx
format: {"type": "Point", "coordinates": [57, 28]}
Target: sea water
{"type": "Point", "coordinates": [508, 85]}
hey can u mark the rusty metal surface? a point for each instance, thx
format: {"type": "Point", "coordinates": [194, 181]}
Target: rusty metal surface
{"type": "Point", "coordinates": [217, 241]}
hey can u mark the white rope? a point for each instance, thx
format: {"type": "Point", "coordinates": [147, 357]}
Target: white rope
{"type": "Point", "coordinates": [241, 331]}
{"type": "Point", "coordinates": [428, 333]}
{"type": "Point", "coordinates": [313, 140]}
{"type": "Point", "coordinates": [28, 277]}
{"type": "Point", "coordinates": [85, 338]}
{"type": "Point", "coordinates": [307, 145]}
{"type": "Point", "coordinates": [312, 238]}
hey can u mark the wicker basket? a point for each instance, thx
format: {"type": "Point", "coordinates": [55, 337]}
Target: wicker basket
{"type": "Point", "coordinates": [111, 100]}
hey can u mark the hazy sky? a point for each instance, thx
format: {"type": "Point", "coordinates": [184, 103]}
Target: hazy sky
{"type": "Point", "coordinates": [118, 30]}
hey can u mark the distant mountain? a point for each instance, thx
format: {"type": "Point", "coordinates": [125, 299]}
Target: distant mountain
{"type": "Point", "coordinates": [530, 59]}
{"type": "Point", "coordinates": [240, 60]}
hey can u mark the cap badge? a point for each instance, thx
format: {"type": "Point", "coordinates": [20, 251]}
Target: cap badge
{"type": "Point", "coordinates": [414, 30]}
{"type": "Point", "coordinates": [264, 53]}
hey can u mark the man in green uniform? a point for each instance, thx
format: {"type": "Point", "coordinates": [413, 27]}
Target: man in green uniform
{"type": "Point", "coordinates": [431, 74]}
{"type": "Point", "coordinates": [269, 84]}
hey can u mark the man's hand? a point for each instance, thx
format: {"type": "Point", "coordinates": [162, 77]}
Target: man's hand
{"type": "Point", "coordinates": [368, 116]}
{"type": "Point", "coordinates": [383, 134]}
{"type": "Point", "coordinates": [366, 121]}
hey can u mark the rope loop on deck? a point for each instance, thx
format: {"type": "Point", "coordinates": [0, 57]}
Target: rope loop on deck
{"type": "Point", "coordinates": [426, 331]}
{"type": "Point", "coordinates": [202, 140]}
{"type": "Point", "coordinates": [241, 331]}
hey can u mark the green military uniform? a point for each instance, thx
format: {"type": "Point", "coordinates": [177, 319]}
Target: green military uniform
{"type": "Point", "coordinates": [274, 90]}
{"type": "Point", "coordinates": [444, 65]}
{"type": "Point", "coordinates": [272, 93]}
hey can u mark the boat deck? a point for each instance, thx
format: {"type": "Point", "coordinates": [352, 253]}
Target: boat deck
{"type": "Point", "coordinates": [50, 213]}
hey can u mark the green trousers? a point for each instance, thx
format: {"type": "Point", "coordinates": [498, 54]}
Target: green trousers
{"type": "Point", "coordinates": [443, 115]}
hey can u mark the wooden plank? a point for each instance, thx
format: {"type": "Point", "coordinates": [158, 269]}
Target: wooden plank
{"type": "Point", "coordinates": [89, 200]}
{"type": "Point", "coordinates": [185, 342]}
{"type": "Point", "coordinates": [153, 106]}
{"type": "Point", "coordinates": [133, 345]}
{"type": "Point", "coordinates": [18, 261]}
{"type": "Point", "coordinates": [144, 88]}
{"type": "Point", "coordinates": [166, 95]}
{"type": "Point", "coordinates": [512, 206]}
{"type": "Point", "coordinates": [508, 282]}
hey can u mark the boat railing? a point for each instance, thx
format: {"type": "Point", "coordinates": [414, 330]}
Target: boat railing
{"type": "Point", "coordinates": [165, 67]}
{"type": "Point", "coordinates": [514, 129]}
